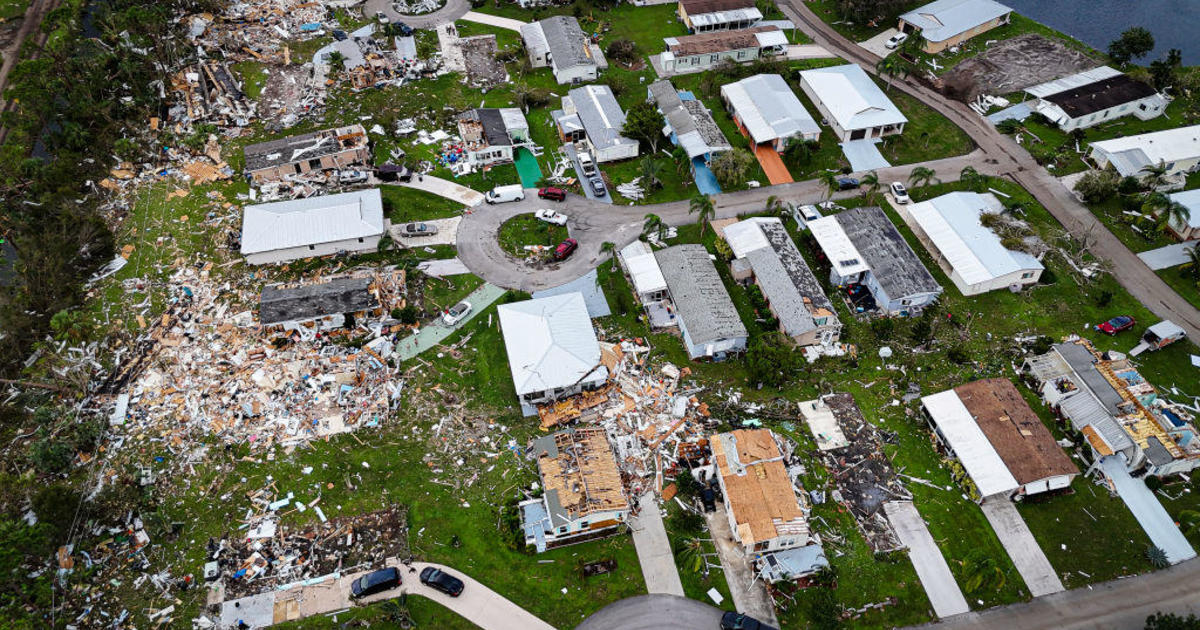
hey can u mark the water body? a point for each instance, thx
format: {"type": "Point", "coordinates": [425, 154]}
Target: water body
{"type": "Point", "coordinates": [1174, 23]}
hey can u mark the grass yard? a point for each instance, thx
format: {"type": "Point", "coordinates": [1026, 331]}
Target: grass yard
{"type": "Point", "coordinates": [442, 293]}
{"type": "Point", "coordinates": [12, 9]}
{"type": "Point", "coordinates": [675, 179]}
{"type": "Point", "coordinates": [1136, 233]}
{"type": "Point", "coordinates": [830, 12]}
{"type": "Point", "coordinates": [526, 229]}
{"type": "Point", "coordinates": [253, 76]}
{"type": "Point", "coordinates": [1184, 284]}
{"type": "Point", "coordinates": [927, 136]}
{"type": "Point", "coordinates": [644, 26]}
{"type": "Point", "coordinates": [409, 204]}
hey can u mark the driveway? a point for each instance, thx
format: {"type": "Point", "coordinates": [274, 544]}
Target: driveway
{"type": "Point", "coordinates": [772, 165]}
{"type": "Point", "coordinates": [657, 612]}
{"type": "Point", "coordinates": [494, 20]}
{"type": "Point", "coordinates": [937, 580]}
{"type": "Point", "coordinates": [444, 188]}
{"type": "Point", "coordinates": [447, 233]}
{"type": "Point", "coordinates": [583, 180]}
{"type": "Point", "coordinates": [876, 46]}
{"type": "Point", "coordinates": [1022, 547]}
{"type": "Point", "coordinates": [453, 10]}
{"type": "Point", "coordinates": [1150, 514]}
{"type": "Point", "coordinates": [749, 595]}
{"type": "Point", "coordinates": [1167, 256]}
{"type": "Point", "coordinates": [654, 549]}
{"type": "Point", "coordinates": [435, 333]}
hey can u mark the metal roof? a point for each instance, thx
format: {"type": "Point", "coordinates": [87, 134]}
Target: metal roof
{"type": "Point", "coordinates": [782, 274]}
{"type": "Point", "coordinates": [699, 295]}
{"type": "Point", "coordinates": [1083, 410]}
{"type": "Point", "coordinates": [550, 343]}
{"type": "Point", "coordinates": [952, 222]}
{"type": "Point", "coordinates": [724, 41]}
{"type": "Point", "coordinates": [343, 295]}
{"type": "Point", "coordinates": [600, 114]}
{"type": "Point", "coordinates": [311, 221]}
{"type": "Point", "coordinates": [1130, 154]}
{"type": "Point", "coordinates": [722, 17]}
{"type": "Point", "coordinates": [768, 108]}
{"type": "Point", "coordinates": [643, 268]}
{"type": "Point", "coordinates": [1189, 199]}
{"type": "Point", "coordinates": [969, 443]}
{"type": "Point", "coordinates": [893, 263]}
{"type": "Point", "coordinates": [838, 247]}
{"type": "Point", "coordinates": [1083, 363]}
{"type": "Point", "coordinates": [1071, 81]}
{"type": "Point", "coordinates": [566, 42]}
{"type": "Point", "coordinates": [944, 19]}
{"type": "Point", "coordinates": [852, 97]}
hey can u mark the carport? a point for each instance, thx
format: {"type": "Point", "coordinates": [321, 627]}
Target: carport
{"type": "Point", "coordinates": [1159, 525]}
{"type": "Point", "coordinates": [527, 167]}
{"type": "Point", "coordinates": [864, 155]}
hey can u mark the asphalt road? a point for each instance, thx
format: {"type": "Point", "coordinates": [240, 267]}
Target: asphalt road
{"type": "Point", "coordinates": [453, 10]}
{"type": "Point", "coordinates": [654, 612]}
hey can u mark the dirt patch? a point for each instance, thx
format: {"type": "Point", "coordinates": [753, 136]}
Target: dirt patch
{"type": "Point", "coordinates": [1014, 65]}
{"type": "Point", "coordinates": [479, 55]}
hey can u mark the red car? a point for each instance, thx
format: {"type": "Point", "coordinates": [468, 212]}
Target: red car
{"type": "Point", "coordinates": [552, 193]}
{"type": "Point", "coordinates": [565, 249]}
{"type": "Point", "coordinates": [1116, 325]}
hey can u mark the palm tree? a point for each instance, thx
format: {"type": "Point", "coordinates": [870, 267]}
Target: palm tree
{"type": "Point", "coordinates": [922, 176]}
{"type": "Point", "coordinates": [337, 61]}
{"type": "Point", "coordinates": [654, 225]}
{"type": "Point", "coordinates": [1155, 175]}
{"type": "Point", "coordinates": [891, 67]}
{"type": "Point", "coordinates": [1167, 212]}
{"type": "Point", "coordinates": [870, 184]}
{"type": "Point", "coordinates": [691, 554]}
{"type": "Point", "coordinates": [980, 569]}
{"type": "Point", "coordinates": [609, 247]}
{"type": "Point", "coordinates": [830, 180]}
{"type": "Point", "coordinates": [971, 178]}
{"type": "Point", "coordinates": [774, 205]}
{"type": "Point", "coordinates": [651, 171]}
{"type": "Point", "coordinates": [702, 206]}
{"type": "Point", "coordinates": [1192, 266]}
{"type": "Point", "coordinates": [682, 161]}
{"type": "Point", "coordinates": [798, 151]}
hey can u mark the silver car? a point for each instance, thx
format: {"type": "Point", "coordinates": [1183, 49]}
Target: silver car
{"type": "Point", "coordinates": [418, 229]}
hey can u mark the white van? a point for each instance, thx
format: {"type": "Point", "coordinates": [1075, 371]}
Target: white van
{"type": "Point", "coordinates": [585, 161]}
{"type": "Point", "coordinates": [501, 194]}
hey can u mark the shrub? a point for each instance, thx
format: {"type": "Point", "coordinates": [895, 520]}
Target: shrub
{"type": "Point", "coordinates": [1154, 483]}
{"type": "Point", "coordinates": [1129, 185]}
{"type": "Point", "coordinates": [1042, 345]}
{"type": "Point", "coordinates": [51, 455]}
{"type": "Point", "coordinates": [1008, 126]}
{"type": "Point", "coordinates": [408, 314]}
{"type": "Point", "coordinates": [883, 328]}
{"type": "Point", "coordinates": [958, 355]}
{"type": "Point", "coordinates": [1104, 298]}
{"type": "Point", "coordinates": [1047, 276]}
{"type": "Point", "coordinates": [921, 331]}
{"type": "Point", "coordinates": [56, 505]}
{"type": "Point", "coordinates": [1097, 186]}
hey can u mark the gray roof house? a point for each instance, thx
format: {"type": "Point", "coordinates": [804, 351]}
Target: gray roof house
{"type": "Point", "coordinates": [689, 123]}
{"type": "Point", "coordinates": [314, 226]}
{"type": "Point", "coordinates": [490, 134]}
{"type": "Point", "coordinates": [307, 152]}
{"type": "Point", "coordinates": [864, 247]}
{"type": "Point", "coordinates": [315, 301]}
{"type": "Point", "coordinates": [558, 42]}
{"type": "Point", "coordinates": [594, 109]}
{"type": "Point", "coordinates": [708, 320]}
{"type": "Point", "coordinates": [774, 263]}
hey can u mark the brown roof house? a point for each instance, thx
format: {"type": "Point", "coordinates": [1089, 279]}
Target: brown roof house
{"type": "Point", "coordinates": [584, 498]}
{"type": "Point", "coordinates": [1002, 444]}
{"type": "Point", "coordinates": [764, 510]}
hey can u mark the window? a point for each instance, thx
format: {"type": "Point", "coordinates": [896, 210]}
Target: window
{"type": "Point", "coordinates": [583, 524]}
{"type": "Point", "coordinates": [312, 247]}
{"type": "Point", "coordinates": [314, 163]}
{"type": "Point", "coordinates": [1142, 107]}
{"type": "Point", "coordinates": [360, 240]}
{"type": "Point", "coordinates": [562, 530]}
{"type": "Point", "coordinates": [905, 302]}
{"type": "Point", "coordinates": [1027, 275]}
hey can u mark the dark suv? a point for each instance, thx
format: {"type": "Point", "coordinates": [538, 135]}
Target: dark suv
{"type": "Point", "coordinates": [738, 621]}
{"type": "Point", "coordinates": [439, 580]}
{"type": "Point", "coordinates": [375, 582]}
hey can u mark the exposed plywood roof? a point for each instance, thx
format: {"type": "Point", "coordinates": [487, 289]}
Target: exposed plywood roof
{"type": "Point", "coordinates": [579, 473]}
{"type": "Point", "coordinates": [758, 491]}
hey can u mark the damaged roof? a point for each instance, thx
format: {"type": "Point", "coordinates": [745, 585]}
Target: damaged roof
{"type": "Point", "coordinates": [343, 295]}
{"type": "Point", "coordinates": [600, 114]}
{"type": "Point", "coordinates": [1100, 95]}
{"type": "Point", "coordinates": [495, 123]}
{"type": "Point", "coordinates": [953, 222]}
{"type": "Point", "coordinates": [699, 294]}
{"type": "Point", "coordinates": [722, 41]}
{"type": "Point", "coordinates": [306, 146]}
{"type": "Point", "coordinates": [696, 7]}
{"type": "Point", "coordinates": [690, 121]}
{"type": "Point", "coordinates": [1014, 430]}
{"type": "Point", "coordinates": [894, 264]}
{"type": "Point", "coordinates": [566, 42]}
{"type": "Point", "coordinates": [579, 473]}
{"type": "Point", "coordinates": [758, 492]}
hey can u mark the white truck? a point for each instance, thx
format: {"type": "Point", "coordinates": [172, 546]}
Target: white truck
{"type": "Point", "coordinates": [586, 163]}
{"type": "Point", "coordinates": [502, 194]}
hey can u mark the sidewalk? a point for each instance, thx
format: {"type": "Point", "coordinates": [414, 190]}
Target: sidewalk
{"type": "Point", "coordinates": [654, 549]}
{"type": "Point", "coordinates": [445, 188]}
{"type": "Point", "coordinates": [494, 20]}
{"type": "Point", "coordinates": [432, 334]}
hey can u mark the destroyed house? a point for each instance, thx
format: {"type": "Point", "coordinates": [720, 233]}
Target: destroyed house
{"type": "Point", "coordinates": [316, 307]}
{"type": "Point", "coordinates": [768, 111]}
{"type": "Point", "coordinates": [208, 89]}
{"type": "Point", "coordinates": [864, 248]}
{"type": "Point", "coordinates": [763, 508]}
{"type": "Point", "coordinates": [491, 135]}
{"type": "Point", "coordinates": [1177, 148]}
{"type": "Point", "coordinates": [1094, 96]}
{"type": "Point", "coordinates": [850, 100]}
{"type": "Point", "coordinates": [552, 349]}
{"type": "Point", "coordinates": [689, 123]}
{"type": "Point", "coordinates": [1115, 409]}
{"type": "Point", "coordinates": [708, 320]}
{"type": "Point", "coordinates": [314, 226]}
{"type": "Point", "coordinates": [583, 498]}
{"type": "Point", "coordinates": [558, 42]}
{"type": "Point", "coordinates": [307, 153]}
{"type": "Point", "coordinates": [594, 111]}
{"type": "Point", "coordinates": [947, 23]}
{"type": "Point", "coordinates": [702, 16]}
{"type": "Point", "coordinates": [765, 254]}
{"type": "Point", "coordinates": [972, 254]}
{"type": "Point", "coordinates": [693, 53]}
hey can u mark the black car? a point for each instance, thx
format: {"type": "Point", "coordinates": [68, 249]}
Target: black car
{"type": "Point", "coordinates": [439, 580]}
{"type": "Point", "coordinates": [847, 183]}
{"type": "Point", "coordinates": [404, 29]}
{"type": "Point", "coordinates": [738, 621]}
{"type": "Point", "coordinates": [708, 497]}
{"type": "Point", "coordinates": [375, 582]}
{"type": "Point", "coordinates": [339, 35]}
{"type": "Point", "coordinates": [598, 186]}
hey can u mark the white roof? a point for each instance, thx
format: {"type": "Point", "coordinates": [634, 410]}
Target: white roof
{"type": "Point", "coordinates": [768, 108]}
{"type": "Point", "coordinates": [944, 19]}
{"type": "Point", "coordinates": [974, 251]}
{"type": "Point", "coordinates": [1131, 153]}
{"type": "Point", "coordinates": [1079, 79]}
{"type": "Point", "coordinates": [721, 17]}
{"type": "Point", "coordinates": [643, 268]}
{"type": "Point", "coordinates": [852, 97]}
{"type": "Point", "coordinates": [745, 236]}
{"type": "Point", "coordinates": [969, 443]}
{"type": "Point", "coordinates": [837, 246]}
{"type": "Point", "coordinates": [550, 342]}
{"type": "Point", "coordinates": [311, 221]}
{"type": "Point", "coordinates": [1189, 199]}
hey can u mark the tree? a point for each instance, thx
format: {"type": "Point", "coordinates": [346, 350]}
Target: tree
{"type": "Point", "coordinates": [644, 122]}
{"type": "Point", "coordinates": [336, 61]}
{"type": "Point", "coordinates": [799, 151]}
{"type": "Point", "coordinates": [1171, 621]}
{"type": "Point", "coordinates": [1134, 43]}
{"type": "Point", "coordinates": [654, 225]}
{"type": "Point", "coordinates": [1009, 126]}
{"type": "Point", "coordinates": [691, 555]}
{"type": "Point", "coordinates": [731, 167]}
{"type": "Point", "coordinates": [1162, 71]}
{"type": "Point", "coordinates": [922, 176]}
{"type": "Point", "coordinates": [870, 185]}
{"type": "Point", "coordinates": [651, 171]}
{"type": "Point", "coordinates": [980, 570]}
{"type": "Point", "coordinates": [829, 179]}
{"type": "Point", "coordinates": [1098, 186]}
{"type": "Point", "coordinates": [972, 179]}
{"type": "Point", "coordinates": [770, 360]}
{"type": "Point", "coordinates": [609, 248]}
{"type": "Point", "coordinates": [623, 51]}
{"type": "Point", "coordinates": [774, 205]}
{"type": "Point", "coordinates": [1167, 212]}
{"type": "Point", "coordinates": [702, 206]}
{"type": "Point", "coordinates": [679, 155]}
{"type": "Point", "coordinates": [891, 67]}
{"type": "Point", "coordinates": [1154, 175]}
{"type": "Point", "coordinates": [1192, 266]}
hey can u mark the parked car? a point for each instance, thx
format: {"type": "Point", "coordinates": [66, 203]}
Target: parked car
{"type": "Point", "coordinates": [847, 183]}
{"type": "Point", "coordinates": [565, 249]}
{"type": "Point", "coordinates": [418, 229]}
{"type": "Point", "coordinates": [738, 621]}
{"type": "Point", "coordinates": [439, 580]}
{"type": "Point", "coordinates": [550, 216]}
{"type": "Point", "coordinates": [456, 313]}
{"type": "Point", "coordinates": [383, 19]}
{"type": "Point", "coordinates": [708, 498]}
{"type": "Point", "coordinates": [375, 582]}
{"type": "Point", "coordinates": [552, 193]}
{"type": "Point", "coordinates": [894, 41]}
{"type": "Point", "coordinates": [900, 193]}
{"type": "Point", "coordinates": [404, 29]}
{"type": "Point", "coordinates": [352, 176]}
{"type": "Point", "coordinates": [598, 188]}
{"type": "Point", "coordinates": [586, 163]}
{"type": "Point", "coordinates": [339, 35]}
{"type": "Point", "coordinates": [1117, 324]}
{"type": "Point", "coordinates": [501, 194]}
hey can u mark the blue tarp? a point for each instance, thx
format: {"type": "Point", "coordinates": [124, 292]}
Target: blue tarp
{"type": "Point", "coordinates": [589, 286]}
{"type": "Point", "coordinates": [706, 182]}
{"type": "Point", "coordinates": [864, 155]}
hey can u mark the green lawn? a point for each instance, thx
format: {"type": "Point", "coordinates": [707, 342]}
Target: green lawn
{"type": "Point", "coordinates": [526, 229]}
{"type": "Point", "coordinates": [1184, 284]}
{"type": "Point", "coordinates": [831, 13]}
{"type": "Point", "coordinates": [927, 136]}
{"type": "Point", "coordinates": [253, 77]}
{"type": "Point", "coordinates": [644, 26]}
{"type": "Point", "coordinates": [409, 204]}
{"type": "Point", "coordinates": [12, 9]}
